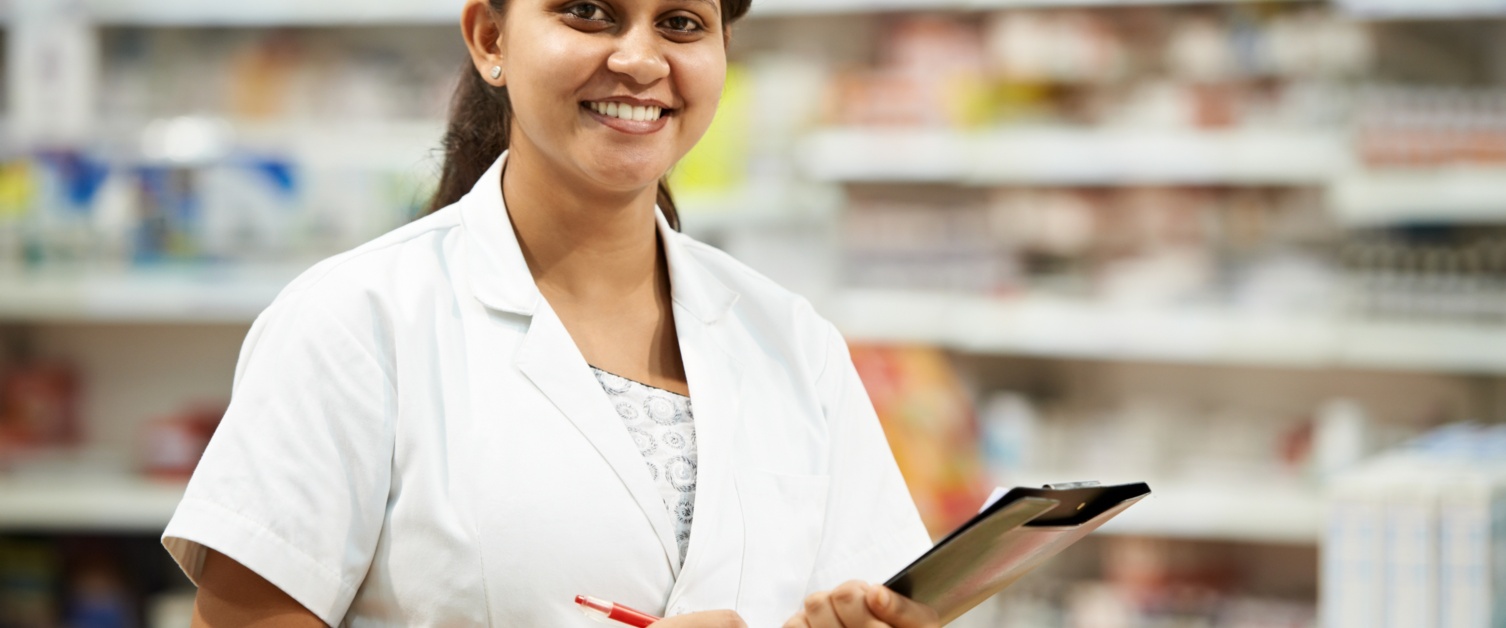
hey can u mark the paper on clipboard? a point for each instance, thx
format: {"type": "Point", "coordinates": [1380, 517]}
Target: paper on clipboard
{"type": "Point", "coordinates": [1016, 531]}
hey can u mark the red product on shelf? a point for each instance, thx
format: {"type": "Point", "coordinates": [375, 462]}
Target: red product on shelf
{"type": "Point", "coordinates": [173, 445]}
{"type": "Point", "coordinates": [38, 407]}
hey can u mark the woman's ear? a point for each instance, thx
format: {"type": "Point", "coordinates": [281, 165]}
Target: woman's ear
{"type": "Point", "coordinates": [482, 29]}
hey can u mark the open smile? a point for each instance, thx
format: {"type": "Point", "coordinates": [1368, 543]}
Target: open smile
{"type": "Point", "coordinates": [628, 118]}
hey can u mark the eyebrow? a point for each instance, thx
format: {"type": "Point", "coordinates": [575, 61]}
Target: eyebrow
{"type": "Point", "coordinates": [711, 3]}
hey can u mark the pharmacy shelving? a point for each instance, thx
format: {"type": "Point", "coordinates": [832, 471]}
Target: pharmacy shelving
{"type": "Point", "coordinates": [105, 503]}
{"type": "Point", "coordinates": [1026, 326]}
{"type": "Point", "coordinates": [758, 206]}
{"type": "Point", "coordinates": [1257, 513]}
{"type": "Point", "coordinates": [272, 12]}
{"type": "Point", "coordinates": [200, 293]}
{"type": "Point", "coordinates": [374, 145]}
{"type": "Point", "coordinates": [1074, 156]}
{"type": "Point", "coordinates": [447, 12]}
{"type": "Point", "coordinates": [195, 294]}
{"type": "Point", "coordinates": [1286, 512]}
{"type": "Point", "coordinates": [1260, 513]}
{"type": "Point", "coordinates": [1077, 329]}
{"type": "Point", "coordinates": [1423, 9]}
{"type": "Point", "coordinates": [1461, 194]}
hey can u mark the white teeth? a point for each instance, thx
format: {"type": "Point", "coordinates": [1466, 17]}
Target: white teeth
{"type": "Point", "coordinates": [626, 112]}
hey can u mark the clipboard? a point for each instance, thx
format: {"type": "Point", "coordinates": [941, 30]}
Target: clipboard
{"type": "Point", "coordinates": [1010, 537]}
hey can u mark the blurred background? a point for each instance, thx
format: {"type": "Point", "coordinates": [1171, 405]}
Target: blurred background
{"type": "Point", "coordinates": [1253, 253]}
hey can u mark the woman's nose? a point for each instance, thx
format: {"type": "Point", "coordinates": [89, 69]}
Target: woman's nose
{"type": "Point", "coordinates": [638, 57]}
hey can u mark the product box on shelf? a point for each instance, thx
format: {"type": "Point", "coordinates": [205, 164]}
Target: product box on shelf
{"type": "Point", "coordinates": [1418, 535]}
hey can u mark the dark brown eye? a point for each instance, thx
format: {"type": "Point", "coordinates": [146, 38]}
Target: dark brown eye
{"type": "Point", "coordinates": [587, 12]}
{"type": "Point", "coordinates": [682, 24]}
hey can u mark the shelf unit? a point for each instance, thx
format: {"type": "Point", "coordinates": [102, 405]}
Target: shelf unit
{"type": "Point", "coordinates": [104, 504]}
{"type": "Point", "coordinates": [446, 12]}
{"type": "Point", "coordinates": [191, 295]}
{"type": "Point", "coordinates": [1285, 514]}
{"type": "Point", "coordinates": [1279, 512]}
{"type": "Point", "coordinates": [1438, 195]}
{"type": "Point", "coordinates": [1029, 326]}
{"type": "Point", "coordinates": [1076, 329]}
{"type": "Point", "coordinates": [1430, 9]}
{"type": "Point", "coordinates": [1026, 326]}
{"type": "Point", "coordinates": [1074, 157]}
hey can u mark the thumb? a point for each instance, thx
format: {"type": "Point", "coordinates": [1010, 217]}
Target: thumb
{"type": "Point", "coordinates": [899, 611]}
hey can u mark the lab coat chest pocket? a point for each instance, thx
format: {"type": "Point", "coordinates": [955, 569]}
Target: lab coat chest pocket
{"type": "Point", "coordinates": [783, 517]}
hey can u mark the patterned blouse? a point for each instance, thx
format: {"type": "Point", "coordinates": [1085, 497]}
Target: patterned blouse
{"type": "Point", "coordinates": [663, 427]}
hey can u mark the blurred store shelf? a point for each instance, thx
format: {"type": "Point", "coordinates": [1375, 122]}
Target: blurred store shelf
{"type": "Point", "coordinates": [194, 294]}
{"type": "Point", "coordinates": [376, 144]}
{"type": "Point", "coordinates": [362, 145]}
{"type": "Point", "coordinates": [758, 207]}
{"type": "Point", "coordinates": [1064, 328]}
{"type": "Point", "coordinates": [236, 293]}
{"type": "Point", "coordinates": [108, 503]}
{"type": "Point", "coordinates": [1074, 157]}
{"type": "Point", "coordinates": [273, 12]}
{"type": "Point", "coordinates": [1258, 513]}
{"type": "Point", "coordinates": [1265, 512]}
{"type": "Point", "coordinates": [1444, 195]}
{"type": "Point", "coordinates": [1426, 9]}
{"type": "Point", "coordinates": [445, 12]}
{"type": "Point", "coordinates": [783, 7]}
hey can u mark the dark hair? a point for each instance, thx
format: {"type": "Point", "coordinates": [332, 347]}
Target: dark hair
{"type": "Point", "coordinates": [480, 121]}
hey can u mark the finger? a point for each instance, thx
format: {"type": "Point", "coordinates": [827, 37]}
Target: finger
{"type": "Point", "coordinates": [849, 600]}
{"type": "Point", "coordinates": [899, 611]}
{"type": "Point", "coordinates": [798, 621]}
{"type": "Point", "coordinates": [725, 619]}
{"type": "Point", "coordinates": [819, 613]}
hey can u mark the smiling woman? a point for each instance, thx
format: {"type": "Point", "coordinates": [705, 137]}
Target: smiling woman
{"type": "Point", "coordinates": [482, 120]}
{"type": "Point", "coordinates": [541, 389]}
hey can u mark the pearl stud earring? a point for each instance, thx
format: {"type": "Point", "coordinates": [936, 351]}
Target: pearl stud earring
{"type": "Point", "coordinates": [496, 72]}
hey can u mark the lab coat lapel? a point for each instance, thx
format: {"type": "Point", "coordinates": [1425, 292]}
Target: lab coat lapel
{"type": "Point", "coordinates": [713, 562]}
{"type": "Point", "coordinates": [550, 359]}
{"type": "Point", "coordinates": [703, 321]}
{"type": "Point", "coordinates": [547, 356]}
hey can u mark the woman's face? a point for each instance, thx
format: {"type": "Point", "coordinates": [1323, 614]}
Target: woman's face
{"type": "Point", "coordinates": [612, 91]}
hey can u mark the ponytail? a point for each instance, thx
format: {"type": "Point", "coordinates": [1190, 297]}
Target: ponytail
{"type": "Point", "coordinates": [480, 122]}
{"type": "Point", "coordinates": [481, 119]}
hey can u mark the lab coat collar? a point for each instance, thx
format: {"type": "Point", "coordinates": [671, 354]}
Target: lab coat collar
{"type": "Point", "coordinates": [501, 280]}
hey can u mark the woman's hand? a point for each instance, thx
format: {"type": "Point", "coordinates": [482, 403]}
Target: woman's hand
{"type": "Point", "coordinates": [705, 619]}
{"type": "Point", "coordinates": [858, 604]}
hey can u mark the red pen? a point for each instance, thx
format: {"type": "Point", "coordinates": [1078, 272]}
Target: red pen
{"type": "Point", "coordinates": [602, 609]}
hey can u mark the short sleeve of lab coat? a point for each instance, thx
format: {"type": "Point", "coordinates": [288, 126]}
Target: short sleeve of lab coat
{"type": "Point", "coordinates": [294, 483]}
{"type": "Point", "coordinates": [872, 526]}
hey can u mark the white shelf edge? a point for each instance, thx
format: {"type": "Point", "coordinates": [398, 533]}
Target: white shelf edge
{"type": "Point", "coordinates": [1275, 513]}
{"type": "Point", "coordinates": [270, 13]}
{"type": "Point", "coordinates": [1441, 195]}
{"type": "Point", "coordinates": [1380, 10]}
{"type": "Point", "coordinates": [1060, 328]}
{"type": "Point", "coordinates": [103, 504]}
{"type": "Point", "coordinates": [1280, 512]}
{"type": "Point", "coordinates": [1073, 157]}
{"type": "Point", "coordinates": [194, 295]}
{"type": "Point", "coordinates": [267, 13]}
{"type": "Point", "coordinates": [1255, 514]}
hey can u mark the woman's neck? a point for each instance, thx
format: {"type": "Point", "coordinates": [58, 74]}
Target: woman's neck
{"type": "Point", "coordinates": [582, 244]}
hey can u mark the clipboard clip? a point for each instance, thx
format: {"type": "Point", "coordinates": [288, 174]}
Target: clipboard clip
{"type": "Point", "coordinates": [1066, 486]}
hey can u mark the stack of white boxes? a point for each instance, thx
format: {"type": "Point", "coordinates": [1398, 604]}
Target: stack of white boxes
{"type": "Point", "coordinates": [1417, 538]}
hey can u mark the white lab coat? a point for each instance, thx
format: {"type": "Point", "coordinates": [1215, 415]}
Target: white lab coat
{"type": "Point", "coordinates": [414, 439]}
